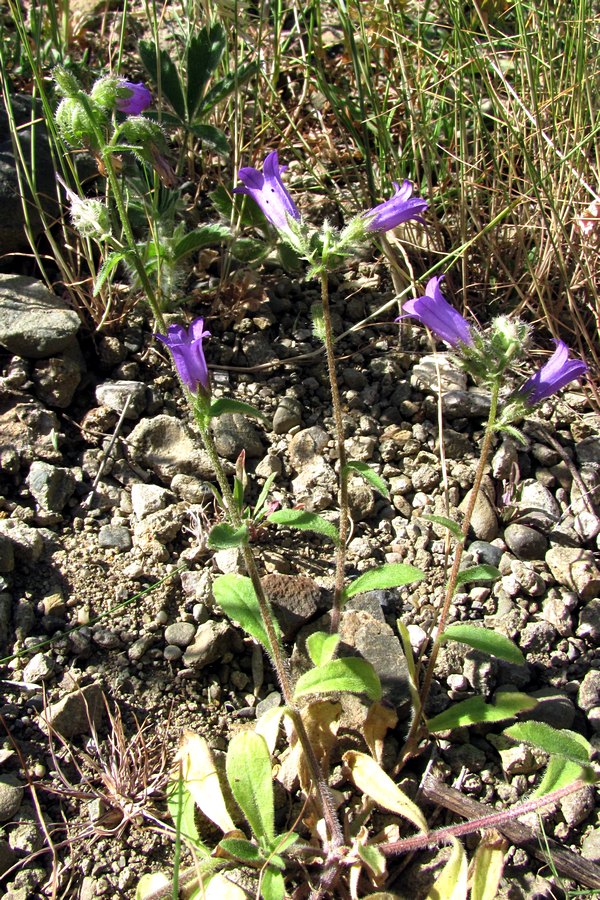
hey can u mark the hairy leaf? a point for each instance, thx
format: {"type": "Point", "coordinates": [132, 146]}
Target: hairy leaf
{"type": "Point", "coordinates": [388, 576]}
{"type": "Point", "coordinates": [369, 777]}
{"type": "Point", "coordinates": [369, 475]}
{"type": "Point", "coordinates": [305, 521]}
{"type": "Point", "coordinates": [229, 405]}
{"type": "Point", "coordinates": [452, 526]}
{"type": "Point", "coordinates": [272, 886]}
{"type": "Point", "coordinates": [477, 573]}
{"type": "Point", "coordinates": [487, 866]}
{"type": "Point", "coordinates": [268, 724]}
{"type": "Point", "coordinates": [223, 536]}
{"type": "Point", "coordinates": [559, 773]}
{"type": "Point", "coordinates": [250, 777]}
{"type": "Point", "coordinates": [202, 781]}
{"type": "Point", "coordinates": [204, 236]}
{"type": "Point", "coordinates": [321, 646]}
{"type": "Point", "coordinates": [561, 742]}
{"type": "Point", "coordinates": [357, 676]}
{"type": "Point", "coordinates": [475, 709]}
{"type": "Point", "coordinates": [236, 596]}
{"type": "Point", "coordinates": [452, 883]}
{"type": "Point", "coordinates": [204, 52]}
{"type": "Point", "coordinates": [170, 83]}
{"type": "Point", "coordinates": [491, 642]}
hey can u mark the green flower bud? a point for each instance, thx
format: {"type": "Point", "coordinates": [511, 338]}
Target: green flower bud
{"type": "Point", "coordinates": [66, 83]}
{"type": "Point", "coordinates": [75, 125]}
{"type": "Point", "coordinates": [105, 92]}
{"type": "Point", "coordinates": [508, 338]}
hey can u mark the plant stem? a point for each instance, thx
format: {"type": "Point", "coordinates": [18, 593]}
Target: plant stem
{"type": "Point", "coordinates": [412, 739]}
{"type": "Point", "coordinates": [344, 524]}
{"type": "Point", "coordinates": [280, 662]}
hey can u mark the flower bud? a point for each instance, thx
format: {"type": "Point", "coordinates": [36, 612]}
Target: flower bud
{"type": "Point", "coordinates": [66, 83]}
{"type": "Point", "coordinates": [105, 92]}
{"type": "Point", "coordinates": [75, 125]}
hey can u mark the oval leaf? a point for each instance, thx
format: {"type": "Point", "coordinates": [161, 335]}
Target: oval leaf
{"type": "Point", "coordinates": [243, 850]}
{"type": "Point", "coordinates": [477, 573]}
{"type": "Point", "coordinates": [452, 526]}
{"type": "Point", "coordinates": [369, 777]}
{"type": "Point", "coordinates": [388, 576]}
{"type": "Point", "coordinates": [561, 772]}
{"type": "Point", "coordinates": [357, 676]}
{"type": "Point", "coordinates": [202, 781]}
{"type": "Point", "coordinates": [237, 598]}
{"type": "Point", "coordinates": [487, 865]}
{"type": "Point", "coordinates": [268, 724]}
{"type": "Point", "coordinates": [491, 642]}
{"type": "Point", "coordinates": [228, 405]}
{"type": "Point", "coordinates": [475, 709]}
{"type": "Point", "coordinates": [224, 536]}
{"type": "Point", "coordinates": [452, 883]}
{"type": "Point", "coordinates": [321, 646]}
{"type": "Point", "coordinates": [369, 475]}
{"type": "Point", "coordinates": [567, 744]}
{"type": "Point", "coordinates": [305, 521]}
{"type": "Point", "coordinates": [250, 777]}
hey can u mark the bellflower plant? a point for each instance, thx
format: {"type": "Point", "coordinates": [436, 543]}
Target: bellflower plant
{"type": "Point", "coordinates": [434, 311]}
{"type": "Point", "coordinates": [398, 209]}
{"type": "Point", "coordinates": [132, 97]}
{"type": "Point", "coordinates": [188, 355]}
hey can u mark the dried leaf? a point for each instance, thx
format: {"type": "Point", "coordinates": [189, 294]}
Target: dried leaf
{"type": "Point", "coordinates": [202, 781]}
{"type": "Point", "coordinates": [487, 865]}
{"type": "Point", "coordinates": [369, 777]}
{"type": "Point", "coordinates": [379, 719]}
{"type": "Point", "coordinates": [452, 883]}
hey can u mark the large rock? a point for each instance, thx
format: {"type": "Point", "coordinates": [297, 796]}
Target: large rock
{"type": "Point", "coordinates": [167, 447]}
{"type": "Point", "coordinates": [34, 322]}
{"type": "Point", "coordinates": [576, 569]}
{"type": "Point", "coordinates": [75, 713]}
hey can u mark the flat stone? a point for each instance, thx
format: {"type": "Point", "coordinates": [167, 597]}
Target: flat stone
{"type": "Point", "coordinates": [40, 668]}
{"type": "Point", "coordinates": [536, 506]}
{"type": "Point", "coordinates": [167, 447]}
{"type": "Point", "coordinates": [589, 621]}
{"type": "Point", "coordinates": [11, 795]}
{"type": "Point", "coordinates": [51, 486]}
{"type": "Point", "coordinates": [115, 537]}
{"type": "Point", "coordinates": [234, 433]}
{"type": "Point", "coordinates": [212, 640]}
{"type": "Point", "coordinates": [307, 445]}
{"type": "Point", "coordinates": [27, 542]}
{"type": "Point", "coordinates": [588, 696]}
{"type": "Point", "coordinates": [437, 370]}
{"type": "Point", "coordinates": [588, 450]}
{"type": "Point", "coordinates": [484, 522]}
{"type": "Point", "coordinates": [115, 394]}
{"type": "Point", "coordinates": [288, 415]}
{"type": "Point", "coordinates": [180, 633]}
{"type": "Point", "coordinates": [576, 569]}
{"type": "Point", "coordinates": [72, 714]}
{"type": "Point", "coordinates": [525, 542]}
{"type": "Point", "coordinates": [149, 498]}
{"type": "Point", "coordinates": [57, 379]}
{"type": "Point", "coordinates": [296, 600]}
{"type": "Point", "coordinates": [466, 404]}
{"type": "Point", "coordinates": [553, 707]}
{"type": "Point", "coordinates": [363, 635]}
{"type": "Point", "coordinates": [34, 322]}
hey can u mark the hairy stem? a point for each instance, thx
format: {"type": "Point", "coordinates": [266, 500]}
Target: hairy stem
{"type": "Point", "coordinates": [344, 525]}
{"type": "Point", "coordinates": [415, 730]}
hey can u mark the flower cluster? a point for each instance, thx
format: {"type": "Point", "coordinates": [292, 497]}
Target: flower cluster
{"type": "Point", "coordinates": [488, 356]}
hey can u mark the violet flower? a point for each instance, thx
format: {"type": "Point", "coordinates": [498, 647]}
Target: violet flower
{"type": "Point", "coordinates": [554, 375]}
{"type": "Point", "coordinates": [136, 100]}
{"type": "Point", "coordinates": [399, 208]}
{"type": "Point", "coordinates": [186, 347]}
{"type": "Point", "coordinates": [434, 311]}
{"type": "Point", "coordinates": [267, 190]}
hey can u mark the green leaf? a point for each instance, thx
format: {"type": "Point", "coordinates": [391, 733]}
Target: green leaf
{"type": "Point", "coordinates": [243, 850]}
{"type": "Point", "coordinates": [491, 642]}
{"type": "Point", "coordinates": [369, 777]}
{"type": "Point", "coordinates": [283, 842]}
{"type": "Point", "coordinates": [226, 85]}
{"type": "Point", "coordinates": [477, 573]}
{"type": "Point", "coordinates": [357, 676]}
{"type": "Point", "coordinates": [321, 646]}
{"type": "Point", "coordinates": [567, 744]}
{"type": "Point", "coordinates": [262, 497]}
{"type": "Point", "coordinates": [204, 53]}
{"type": "Point", "coordinates": [272, 886]}
{"type": "Point", "coordinates": [248, 767]}
{"type": "Point", "coordinates": [305, 521]}
{"type": "Point", "coordinates": [182, 808]}
{"type": "Point", "coordinates": [107, 268]}
{"type": "Point", "coordinates": [236, 597]}
{"type": "Point", "coordinates": [452, 884]}
{"type": "Point", "coordinates": [249, 250]}
{"type": "Point", "coordinates": [228, 405]}
{"type": "Point", "coordinates": [561, 772]}
{"type": "Point", "coordinates": [224, 536]}
{"type": "Point", "coordinates": [388, 576]}
{"type": "Point", "coordinates": [199, 238]}
{"type": "Point", "coordinates": [475, 709]}
{"type": "Point", "coordinates": [452, 526]}
{"type": "Point", "coordinates": [373, 859]}
{"type": "Point", "coordinates": [211, 136]}
{"type": "Point", "coordinates": [369, 475]}
{"type": "Point", "coordinates": [170, 83]}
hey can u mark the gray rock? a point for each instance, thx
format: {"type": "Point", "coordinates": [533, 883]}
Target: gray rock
{"type": "Point", "coordinates": [483, 552]}
{"type": "Point", "coordinates": [425, 477]}
{"type": "Point", "coordinates": [115, 394]}
{"type": "Point", "coordinates": [554, 707]}
{"type": "Point", "coordinates": [212, 641]}
{"type": "Point", "coordinates": [375, 641]}
{"type": "Point", "coordinates": [296, 600]}
{"type": "Point", "coordinates": [167, 447]}
{"type": "Point", "coordinates": [51, 486]}
{"type": "Point", "coordinates": [27, 432]}
{"type": "Point", "coordinates": [589, 621]}
{"type": "Point", "coordinates": [466, 404]}
{"type": "Point", "coordinates": [27, 542]}
{"type": "Point", "coordinates": [149, 498]}
{"type": "Point", "coordinates": [106, 638]}
{"type": "Point", "coordinates": [269, 465]}
{"type": "Point", "coordinates": [505, 460]}
{"type": "Point", "coordinates": [557, 611]}
{"type": "Point", "coordinates": [354, 379]}
{"type": "Point", "coordinates": [72, 714]}
{"type": "Point", "coordinates": [526, 578]}
{"type": "Point", "coordinates": [588, 450]}
{"type": "Point", "coordinates": [525, 542]}
{"type": "Point", "coordinates": [577, 807]}
{"type": "Point", "coordinates": [587, 521]}
{"type": "Point", "coordinates": [7, 555]}
{"type": "Point", "coordinates": [234, 433]}
{"type": "Point", "coordinates": [315, 486]}
{"type": "Point", "coordinates": [190, 489]}
{"type": "Point", "coordinates": [590, 847]}
{"type": "Point", "coordinates": [11, 795]}
{"type": "Point", "coordinates": [7, 857]}
{"type": "Point", "coordinates": [40, 667]}
{"type": "Point", "coordinates": [57, 379]}
{"type": "Point", "coordinates": [537, 637]}
{"type": "Point", "coordinates": [307, 445]}
{"type": "Point", "coordinates": [425, 377]}
{"type": "Point", "coordinates": [180, 633]}
{"type": "Point", "coordinates": [34, 323]}
{"type": "Point", "coordinates": [172, 652]}
{"type": "Point", "coordinates": [6, 602]}
{"type": "Point", "coordinates": [361, 499]}
{"type": "Point", "coordinates": [115, 537]}
{"type": "Point", "coordinates": [536, 506]}
{"type": "Point", "coordinates": [576, 569]}
{"type": "Point", "coordinates": [588, 695]}
{"type": "Point", "coordinates": [140, 647]}
{"type": "Point", "coordinates": [288, 415]}
{"type": "Point", "coordinates": [484, 522]}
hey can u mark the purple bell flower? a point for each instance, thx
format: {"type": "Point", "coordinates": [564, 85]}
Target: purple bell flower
{"type": "Point", "coordinates": [137, 100]}
{"type": "Point", "coordinates": [188, 354]}
{"type": "Point", "coordinates": [399, 208]}
{"type": "Point", "coordinates": [267, 190]}
{"type": "Point", "coordinates": [434, 311]}
{"type": "Point", "coordinates": [554, 375]}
